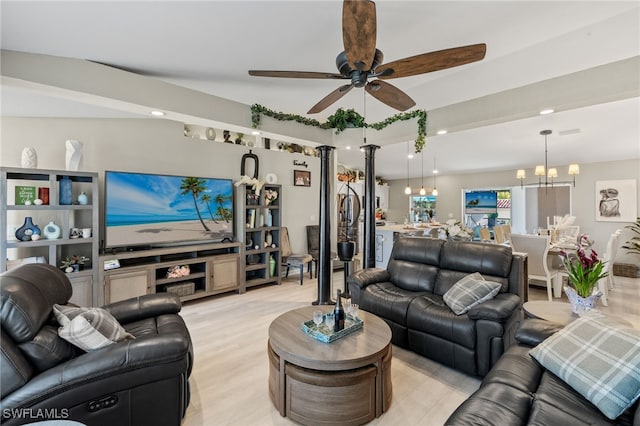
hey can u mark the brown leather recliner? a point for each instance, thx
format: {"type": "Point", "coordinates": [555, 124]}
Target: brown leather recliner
{"type": "Point", "coordinates": [143, 381]}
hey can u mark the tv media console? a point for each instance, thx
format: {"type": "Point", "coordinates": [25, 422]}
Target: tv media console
{"type": "Point", "coordinates": [213, 268]}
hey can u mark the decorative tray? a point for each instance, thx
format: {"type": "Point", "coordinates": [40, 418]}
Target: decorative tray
{"type": "Point", "coordinates": [325, 334]}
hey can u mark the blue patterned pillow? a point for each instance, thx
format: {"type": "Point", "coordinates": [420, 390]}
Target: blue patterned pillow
{"type": "Point", "coordinates": [469, 292]}
{"type": "Point", "coordinates": [599, 358]}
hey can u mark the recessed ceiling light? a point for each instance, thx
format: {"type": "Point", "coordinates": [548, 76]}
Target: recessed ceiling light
{"type": "Point", "coordinates": [442, 132]}
{"type": "Point", "coordinates": [157, 113]}
{"type": "Point", "coordinates": [546, 111]}
{"type": "Point", "coordinates": [255, 132]}
{"type": "Point", "coordinates": [347, 147]}
{"type": "Point", "coordinates": [410, 156]}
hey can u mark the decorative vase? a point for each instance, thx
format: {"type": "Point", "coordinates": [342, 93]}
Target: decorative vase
{"type": "Point", "coordinates": [27, 230]}
{"type": "Point", "coordinates": [346, 249]}
{"type": "Point", "coordinates": [73, 155]}
{"type": "Point", "coordinates": [29, 159]}
{"type": "Point", "coordinates": [52, 231]}
{"type": "Point", "coordinates": [83, 199]}
{"type": "Point", "coordinates": [579, 304]}
{"type": "Point", "coordinates": [65, 191]}
{"type": "Point", "coordinates": [268, 239]}
{"type": "Point", "coordinates": [269, 219]}
{"type": "Point", "coordinates": [272, 266]}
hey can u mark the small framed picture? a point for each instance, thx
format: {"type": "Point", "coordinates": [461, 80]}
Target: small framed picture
{"type": "Point", "coordinates": [301, 178]}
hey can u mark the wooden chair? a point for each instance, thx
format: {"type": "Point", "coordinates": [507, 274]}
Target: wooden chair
{"type": "Point", "coordinates": [485, 235]}
{"type": "Point", "coordinates": [537, 249]}
{"type": "Point", "coordinates": [499, 234]}
{"type": "Point", "coordinates": [290, 259]}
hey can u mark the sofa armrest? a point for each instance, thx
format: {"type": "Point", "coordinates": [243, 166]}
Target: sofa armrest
{"type": "Point", "coordinates": [147, 306]}
{"type": "Point", "coordinates": [123, 365]}
{"type": "Point", "coordinates": [533, 331]}
{"type": "Point", "coordinates": [499, 309]}
{"type": "Point", "coordinates": [368, 276]}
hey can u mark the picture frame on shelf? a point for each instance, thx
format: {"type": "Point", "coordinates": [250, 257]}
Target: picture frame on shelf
{"type": "Point", "coordinates": [301, 178]}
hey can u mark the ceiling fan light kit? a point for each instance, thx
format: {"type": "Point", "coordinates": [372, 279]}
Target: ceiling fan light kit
{"type": "Point", "coordinates": [361, 61]}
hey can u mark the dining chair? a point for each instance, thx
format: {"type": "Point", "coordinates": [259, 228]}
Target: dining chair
{"type": "Point", "coordinates": [499, 234]}
{"type": "Point", "coordinates": [293, 260]}
{"type": "Point", "coordinates": [537, 249]}
{"type": "Point", "coordinates": [313, 246]}
{"type": "Point", "coordinates": [485, 235]}
{"type": "Point", "coordinates": [606, 283]}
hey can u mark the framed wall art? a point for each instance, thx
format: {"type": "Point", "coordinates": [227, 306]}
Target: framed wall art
{"type": "Point", "coordinates": [301, 178]}
{"type": "Point", "coordinates": [616, 200]}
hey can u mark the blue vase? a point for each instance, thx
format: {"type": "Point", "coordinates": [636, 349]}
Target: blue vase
{"type": "Point", "coordinates": [27, 230]}
{"type": "Point", "coordinates": [65, 191]}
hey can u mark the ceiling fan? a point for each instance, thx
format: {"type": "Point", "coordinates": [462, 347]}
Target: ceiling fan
{"type": "Point", "coordinates": [361, 61]}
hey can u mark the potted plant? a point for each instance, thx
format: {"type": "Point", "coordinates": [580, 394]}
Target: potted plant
{"type": "Point", "coordinates": [633, 245]}
{"type": "Point", "coordinates": [584, 270]}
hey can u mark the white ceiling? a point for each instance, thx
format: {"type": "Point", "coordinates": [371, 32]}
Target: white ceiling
{"type": "Point", "coordinates": [210, 45]}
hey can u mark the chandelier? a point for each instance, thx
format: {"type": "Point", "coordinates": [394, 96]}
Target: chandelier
{"type": "Point", "coordinates": [544, 170]}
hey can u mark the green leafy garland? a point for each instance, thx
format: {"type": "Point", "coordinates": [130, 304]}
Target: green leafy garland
{"type": "Point", "coordinates": [342, 118]}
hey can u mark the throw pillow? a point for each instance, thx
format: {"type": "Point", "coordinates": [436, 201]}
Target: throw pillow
{"type": "Point", "coordinates": [89, 328]}
{"type": "Point", "coordinates": [599, 358]}
{"type": "Point", "coordinates": [469, 292]}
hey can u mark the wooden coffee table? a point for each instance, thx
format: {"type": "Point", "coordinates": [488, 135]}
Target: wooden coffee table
{"type": "Point", "coordinates": [347, 381]}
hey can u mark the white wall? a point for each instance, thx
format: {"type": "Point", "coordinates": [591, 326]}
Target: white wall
{"type": "Point", "coordinates": [584, 197]}
{"type": "Point", "coordinates": [159, 146]}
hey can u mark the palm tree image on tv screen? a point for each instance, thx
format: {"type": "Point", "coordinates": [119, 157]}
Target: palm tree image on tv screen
{"type": "Point", "coordinates": [150, 209]}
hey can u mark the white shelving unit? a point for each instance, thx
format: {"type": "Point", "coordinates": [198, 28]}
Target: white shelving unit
{"type": "Point", "coordinates": [65, 216]}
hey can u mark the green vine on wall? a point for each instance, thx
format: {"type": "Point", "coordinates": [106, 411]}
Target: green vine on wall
{"type": "Point", "coordinates": [343, 118]}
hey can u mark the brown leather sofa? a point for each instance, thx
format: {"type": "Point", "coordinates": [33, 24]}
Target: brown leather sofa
{"type": "Point", "coordinates": [142, 381]}
{"type": "Point", "coordinates": [408, 295]}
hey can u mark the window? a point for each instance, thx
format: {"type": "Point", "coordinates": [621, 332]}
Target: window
{"type": "Point", "coordinates": [423, 208]}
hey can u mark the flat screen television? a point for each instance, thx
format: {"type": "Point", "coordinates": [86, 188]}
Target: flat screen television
{"type": "Point", "coordinates": [159, 210]}
{"type": "Point", "coordinates": [481, 202]}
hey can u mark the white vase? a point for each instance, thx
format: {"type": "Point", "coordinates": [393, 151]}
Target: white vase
{"type": "Point", "coordinates": [579, 304]}
{"type": "Point", "coordinates": [73, 155]}
{"type": "Point", "coordinates": [29, 159]}
{"type": "Point", "coordinates": [52, 231]}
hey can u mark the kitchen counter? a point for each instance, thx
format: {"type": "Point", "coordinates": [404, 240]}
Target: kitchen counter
{"type": "Point", "coordinates": [387, 234]}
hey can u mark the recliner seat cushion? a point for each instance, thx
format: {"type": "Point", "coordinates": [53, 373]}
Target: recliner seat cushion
{"type": "Point", "coordinates": [387, 301]}
{"type": "Point", "coordinates": [432, 316]}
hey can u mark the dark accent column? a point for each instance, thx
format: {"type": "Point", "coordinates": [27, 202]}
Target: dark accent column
{"type": "Point", "coordinates": [324, 257]}
{"type": "Point", "coordinates": [369, 251]}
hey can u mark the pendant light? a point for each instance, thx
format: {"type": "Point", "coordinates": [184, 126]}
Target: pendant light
{"type": "Point", "coordinates": [407, 189]}
{"type": "Point", "coordinates": [422, 190]}
{"type": "Point", "coordinates": [435, 172]}
{"type": "Point", "coordinates": [549, 173]}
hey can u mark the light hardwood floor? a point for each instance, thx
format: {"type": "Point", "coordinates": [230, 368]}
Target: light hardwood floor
{"type": "Point", "coordinates": [229, 379]}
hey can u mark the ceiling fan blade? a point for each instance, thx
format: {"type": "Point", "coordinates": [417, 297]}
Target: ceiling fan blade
{"type": "Point", "coordinates": [295, 74]}
{"type": "Point", "coordinates": [433, 61]}
{"type": "Point", "coordinates": [389, 94]}
{"type": "Point", "coordinates": [359, 33]}
{"type": "Point", "coordinates": [331, 98]}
